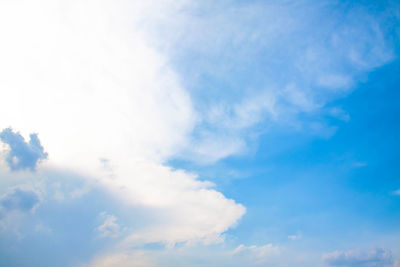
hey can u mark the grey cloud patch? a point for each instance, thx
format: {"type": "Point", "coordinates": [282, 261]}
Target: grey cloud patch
{"type": "Point", "coordinates": [19, 200]}
{"type": "Point", "coordinates": [22, 155]}
{"type": "Point", "coordinates": [378, 257]}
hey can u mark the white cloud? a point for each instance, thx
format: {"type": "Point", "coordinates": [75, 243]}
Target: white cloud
{"type": "Point", "coordinates": [77, 72]}
{"type": "Point", "coordinates": [110, 227]}
{"type": "Point", "coordinates": [266, 64]}
{"type": "Point", "coordinates": [86, 76]}
{"type": "Point", "coordinates": [373, 258]}
{"type": "Point", "coordinates": [82, 75]}
{"type": "Point", "coordinates": [260, 254]}
{"type": "Point", "coordinates": [299, 98]}
{"type": "Point", "coordinates": [198, 212]}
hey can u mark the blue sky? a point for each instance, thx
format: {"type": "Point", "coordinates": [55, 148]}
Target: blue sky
{"type": "Point", "coordinates": [185, 133]}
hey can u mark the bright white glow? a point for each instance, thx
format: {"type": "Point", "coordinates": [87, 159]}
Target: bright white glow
{"type": "Point", "coordinates": [82, 76]}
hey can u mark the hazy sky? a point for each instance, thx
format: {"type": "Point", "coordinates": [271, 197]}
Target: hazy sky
{"type": "Point", "coordinates": [199, 133]}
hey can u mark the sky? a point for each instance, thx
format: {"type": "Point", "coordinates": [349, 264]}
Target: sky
{"type": "Point", "coordinates": [199, 133]}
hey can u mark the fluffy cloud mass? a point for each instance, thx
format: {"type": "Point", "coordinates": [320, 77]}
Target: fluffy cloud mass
{"type": "Point", "coordinates": [108, 106]}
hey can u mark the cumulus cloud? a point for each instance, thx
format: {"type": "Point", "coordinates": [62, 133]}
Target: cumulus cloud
{"type": "Point", "coordinates": [91, 83]}
{"type": "Point", "coordinates": [82, 229]}
{"type": "Point", "coordinates": [84, 76]}
{"type": "Point", "coordinates": [20, 200]}
{"type": "Point", "coordinates": [22, 155]}
{"type": "Point", "coordinates": [101, 80]}
{"type": "Point", "coordinates": [191, 210]}
{"type": "Point", "coordinates": [378, 257]}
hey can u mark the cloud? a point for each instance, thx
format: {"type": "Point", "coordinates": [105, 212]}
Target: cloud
{"type": "Point", "coordinates": [191, 210]}
{"type": "Point", "coordinates": [22, 155]}
{"type": "Point", "coordinates": [295, 237]}
{"type": "Point", "coordinates": [123, 259]}
{"type": "Point", "coordinates": [110, 227]}
{"type": "Point", "coordinates": [84, 76]}
{"type": "Point", "coordinates": [335, 81]}
{"type": "Point", "coordinates": [397, 192]}
{"type": "Point", "coordinates": [272, 68]}
{"type": "Point", "coordinates": [90, 81]}
{"type": "Point", "coordinates": [21, 200]}
{"type": "Point", "coordinates": [138, 83]}
{"type": "Point", "coordinates": [339, 113]}
{"type": "Point", "coordinates": [189, 216]}
{"type": "Point", "coordinates": [259, 254]}
{"type": "Point", "coordinates": [373, 258]}
{"type": "Point", "coordinates": [193, 255]}
{"type": "Point", "coordinates": [217, 45]}
{"type": "Point", "coordinates": [300, 55]}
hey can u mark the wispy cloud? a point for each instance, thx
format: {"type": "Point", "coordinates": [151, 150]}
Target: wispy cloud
{"type": "Point", "coordinates": [109, 227]}
{"type": "Point", "coordinates": [138, 83]}
{"type": "Point", "coordinates": [295, 237]}
{"type": "Point", "coordinates": [259, 254]}
{"type": "Point", "coordinates": [291, 58]}
{"type": "Point", "coordinates": [372, 258]}
{"type": "Point", "coordinates": [93, 88]}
